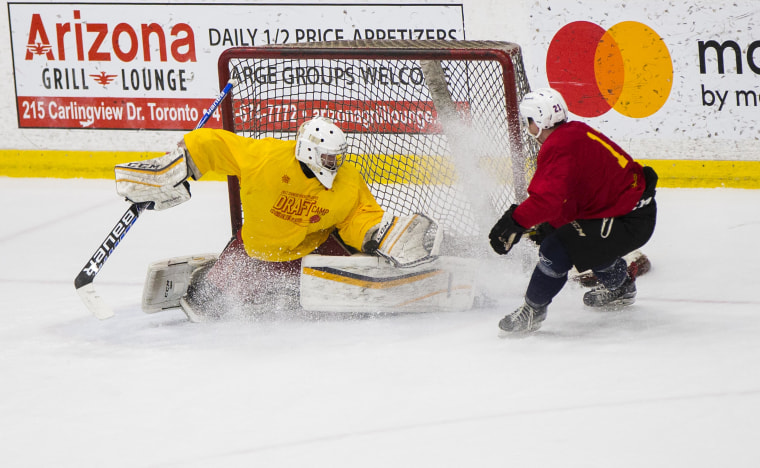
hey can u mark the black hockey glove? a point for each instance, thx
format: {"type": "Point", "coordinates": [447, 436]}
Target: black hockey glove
{"type": "Point", "coordinates": [505, 233]}
{"type": "Point", "coordinates": [540, 232]}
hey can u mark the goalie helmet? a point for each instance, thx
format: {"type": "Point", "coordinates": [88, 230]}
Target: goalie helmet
{"type": "Point", "coordinates": [321, 145]}
{"type": "Point", "coordinates": [545, 106]}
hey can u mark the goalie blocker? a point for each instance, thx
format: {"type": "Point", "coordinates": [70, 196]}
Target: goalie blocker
{"type": "Point", "coordinates": [161, 182]}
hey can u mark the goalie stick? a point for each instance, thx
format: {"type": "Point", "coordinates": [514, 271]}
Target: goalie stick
{"type": "Point", "coordinates": [84, 280]}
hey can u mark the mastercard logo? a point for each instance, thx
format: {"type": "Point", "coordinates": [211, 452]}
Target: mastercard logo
{"type": "Point", "coordinates": [627, 68]}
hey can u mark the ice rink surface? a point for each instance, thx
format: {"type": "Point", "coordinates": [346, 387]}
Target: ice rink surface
{"type": "Point", "coordinates": [673, 381]}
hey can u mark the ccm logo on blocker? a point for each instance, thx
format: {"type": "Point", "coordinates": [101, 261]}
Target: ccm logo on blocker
{"type": "Point", "coordinates": [627, 68]}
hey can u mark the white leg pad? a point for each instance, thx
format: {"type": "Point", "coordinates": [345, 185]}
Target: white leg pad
{"type": "Point", "coordinates": [167, 281]}
{"type": "Point", "coordinates": [371, 284]}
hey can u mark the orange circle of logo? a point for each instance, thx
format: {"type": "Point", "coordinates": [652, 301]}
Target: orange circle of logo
{"type": "Point", "coordinates": [627, 68]}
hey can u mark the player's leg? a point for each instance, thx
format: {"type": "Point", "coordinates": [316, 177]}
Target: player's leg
{"type": "Point", "coordinates": [617, 287]}
{"type": "Point", "coordinates": [601, 249]}
{"type": "Point", "coordinates": [548, 278]}
{"type": "Point", "coordinates": [638, 265]}
{"type": "Point", "coordinates": [204, 299]}
{"type": "Point", "coordinates": [238, 282]}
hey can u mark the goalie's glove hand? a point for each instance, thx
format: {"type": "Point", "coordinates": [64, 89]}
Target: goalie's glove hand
{"type": "Point", "coordinates": [405, 241]}
{"type": "Point", "coordinates": [505, 233]}
{"type": "Point", "coordinates": [540, 232]}
{"type": "Point", "coordinates": [161, 182]}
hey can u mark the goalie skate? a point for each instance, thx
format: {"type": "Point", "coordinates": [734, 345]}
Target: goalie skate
{"type": "Point", "coordinates": [167, 281]}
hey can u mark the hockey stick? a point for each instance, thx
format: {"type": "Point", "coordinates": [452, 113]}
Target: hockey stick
{"type": "Point", "coordinates": [83, 281]}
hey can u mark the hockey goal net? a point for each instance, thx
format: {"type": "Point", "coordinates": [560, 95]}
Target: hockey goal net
{"type": "Point", "coordinates": [432, 126]}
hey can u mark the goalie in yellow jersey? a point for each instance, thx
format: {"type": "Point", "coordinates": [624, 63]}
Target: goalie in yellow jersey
{"type": "Point", "coordinates": [298, 198]}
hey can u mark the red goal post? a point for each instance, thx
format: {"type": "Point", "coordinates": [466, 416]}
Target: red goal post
{"type": "Point", "coordinates": [433, 126]}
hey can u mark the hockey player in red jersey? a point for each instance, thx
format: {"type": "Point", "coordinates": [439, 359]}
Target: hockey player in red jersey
{"type": "Point", "coordinates": [589, 204]}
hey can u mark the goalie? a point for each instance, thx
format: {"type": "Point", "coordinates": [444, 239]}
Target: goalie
{"type": "Point", "coordinates": [298, 198]}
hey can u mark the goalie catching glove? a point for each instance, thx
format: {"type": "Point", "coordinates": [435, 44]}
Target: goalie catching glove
{"type": "Point", "coordinates": [405, 241]}
{"type": "Point", "coordinates": [161, 182]}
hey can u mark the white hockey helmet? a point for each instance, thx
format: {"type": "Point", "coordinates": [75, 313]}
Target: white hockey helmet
{"type": "Point", "coordinates": [321, 145]}
{"type": "Point", "coordinates": [545, 106]}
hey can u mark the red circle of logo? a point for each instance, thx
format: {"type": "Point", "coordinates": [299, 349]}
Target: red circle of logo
{"type": "Point", "coordinates": [627, 68]}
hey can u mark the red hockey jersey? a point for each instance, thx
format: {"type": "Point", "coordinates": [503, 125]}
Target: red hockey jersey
{"type": "Point", "coordinates": [580, 174]}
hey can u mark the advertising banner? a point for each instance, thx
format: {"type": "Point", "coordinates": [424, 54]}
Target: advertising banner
{"type": "Point", "coordinates": [663, 75]}
{"type": "Point", "coordinates": [154, 66]}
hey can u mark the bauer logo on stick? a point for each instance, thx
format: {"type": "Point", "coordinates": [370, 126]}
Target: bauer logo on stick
{"type": "Point", "coordinates": [113, 239]}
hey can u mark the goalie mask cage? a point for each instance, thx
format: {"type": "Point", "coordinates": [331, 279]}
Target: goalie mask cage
{"type": "Point", "coordinates": [432, 126]}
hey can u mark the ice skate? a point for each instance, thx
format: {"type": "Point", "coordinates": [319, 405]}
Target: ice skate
{"type": "Point", "coordinates": [525, 319]}
{"type": "Point", "coordinates": [611, 299]}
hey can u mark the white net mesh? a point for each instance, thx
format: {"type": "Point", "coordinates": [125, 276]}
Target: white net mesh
{"type": "Point", "coordinates": [431, 125]}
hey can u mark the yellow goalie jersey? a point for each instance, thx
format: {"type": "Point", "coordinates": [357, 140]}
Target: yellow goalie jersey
{"type": "Point", "coordinates": [286, 214]}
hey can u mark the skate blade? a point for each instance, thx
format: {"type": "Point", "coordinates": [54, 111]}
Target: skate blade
{"type": "Point", "coordinates": [517, 334]}
{"type": "Point", "coordinates": [613, 306]}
